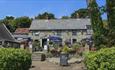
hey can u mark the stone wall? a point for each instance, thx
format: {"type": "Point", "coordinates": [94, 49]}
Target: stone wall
{"type": "Point", "coordinates": [80, 34]}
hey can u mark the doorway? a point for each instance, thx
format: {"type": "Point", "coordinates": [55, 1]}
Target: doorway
{"type": "Point", "coordinates": [44, 42]}
{"type": "Point", "coordinates": [74, 40]}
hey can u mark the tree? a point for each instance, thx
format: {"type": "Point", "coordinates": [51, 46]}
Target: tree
{"type": "Point", "coordinates": [22, 22]}
{"type": "Point", "coordinates": [8, 22]}
{"type": "Point", "coordinates": [111, 21]}
{"type": "Point", "coordinates": [81, 13]}
{"type": "Point", "coordinates": [45, 15]}
{"type": "Point", "coordinates": [65, 17]}
{"type": "Point", "coordinates": [97, 23]}
{"type": "Point", "coordinates": [110, 13]}
{"type": "Point", "coordinates": [9, 18]}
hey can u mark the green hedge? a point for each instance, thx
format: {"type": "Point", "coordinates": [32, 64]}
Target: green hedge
{"type": "Point", "coordinates": [14, 59]}
{"type": "Point", "coordinates": [103, 59]}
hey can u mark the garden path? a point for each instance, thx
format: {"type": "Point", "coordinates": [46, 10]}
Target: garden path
{"type": "Point", "coordinates": [38, 65]}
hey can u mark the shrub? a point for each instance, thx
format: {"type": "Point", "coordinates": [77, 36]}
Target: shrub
{"type": "Point", "coordinates": [14, 59]}
{"type": "Point", "coordinates": [55, 52]}
{"type": "Point", "coordinates": [65, 49]}
{"type": "Point", "coordinates": [103, 59]}
{"type": "Point", "coordinates": [72, 51]}
{"type": "Point", "coordinates": [76, 46]}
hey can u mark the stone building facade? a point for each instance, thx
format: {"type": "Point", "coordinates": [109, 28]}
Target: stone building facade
{"type": "Point", "coordinates": [73, 30]}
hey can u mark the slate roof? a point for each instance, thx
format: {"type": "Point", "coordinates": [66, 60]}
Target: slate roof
{"type": "Point", "coordinates": [5, 34]}
{"type": "Point", "coordinates": [59, 24]}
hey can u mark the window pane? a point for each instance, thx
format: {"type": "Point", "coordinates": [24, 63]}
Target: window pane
{"type": "Point", "coordinates": [74, 33]}
{"type": "Point", "coordinates": [59, 33]}
{"type": "Point", "coordinates": [37, 33]}
{"type": "Point", "coordinates": [88, 26]}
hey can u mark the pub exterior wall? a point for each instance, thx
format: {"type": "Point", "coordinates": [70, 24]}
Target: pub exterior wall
{"type": "Point", "coordinates": [39, 35]}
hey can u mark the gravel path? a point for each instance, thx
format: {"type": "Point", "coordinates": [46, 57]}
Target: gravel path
{"type": "Point", "coordinates": [38, 65]}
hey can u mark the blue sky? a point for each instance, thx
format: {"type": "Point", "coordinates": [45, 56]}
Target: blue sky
{"type": "Point", "coordinates": [32, 8]}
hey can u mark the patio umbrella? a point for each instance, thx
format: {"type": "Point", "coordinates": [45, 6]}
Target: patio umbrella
{"type": "Point", "coordinates": [55, 39]}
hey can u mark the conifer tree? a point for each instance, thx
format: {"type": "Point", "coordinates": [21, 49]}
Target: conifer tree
{"type": "Point", "coordinates": [97, 23]}
{"type": "Point", "coordinates": [111, 21]}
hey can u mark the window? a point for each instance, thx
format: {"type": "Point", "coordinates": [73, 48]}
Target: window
{"type": "Point", "coordinates": [53, 32]}
{"type": "Point", "coordinates": [37, 33]}
{"type": "Point", "coordinates": [68, 33]}
{"type": "Point", "coordinates": [59, 33]}
{"type": "Point", "coordinates": [74, 33]}
{"type": "Point", "coordinates": [89, 32]}
{"type": "Point", "coordinates": [74, 40]}
{"type": "Point", "coordinates": [82, 32]}
{"type": "Point", "coordinates": [0, 42]}
{"type": "Point", "coordinates": [88, 27]}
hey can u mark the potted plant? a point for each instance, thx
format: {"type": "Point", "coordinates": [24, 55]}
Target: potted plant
{"type": "Point", "coordinates": [64, 55]}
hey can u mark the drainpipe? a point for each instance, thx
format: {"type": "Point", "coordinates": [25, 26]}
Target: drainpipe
{"type": "Point", "coordinates": [48, 45]}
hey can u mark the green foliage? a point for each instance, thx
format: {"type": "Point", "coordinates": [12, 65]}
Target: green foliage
{"type": "Point", "coordinates": [103, 59]}
{"type": "Point", "coordinates": [8, 20]}
{"type": "Point", "coordinates": [75, 46]}
{"type": "Point", "coordinates": [102, 46]}
{"type": "Point", "coordinates": [103, 9]}
{"type": "Point", "coordinates": [111, 22]}
{"type": "Point", "coordinates": [65, 49]}
{"type": "Point", "coordinates": [111, 12]}
{"type": "Point", "coordinates": [14, 59]}
{"type": "Point", "coordinates": [51, 43]}
{"type": "Point", "coordinates": [81, 13]}
{"type": "Point", "coordinates": [45, 15]}
{"type": "Point", "coordinates": [97, 23]}
{"type": "Point", "coordinates": [103, 32]}
{"type": "Point", "coordinates": [54, 52]}
{"type": "Point", "coordinates": [13, 23]}
{"type": "Point", "coordinates": [36, 45]}
{"type": "Point", "coordinates": [65, 17]}
{"type": "Point", "coordinates": [22, 22]}
{"type": "Point", "coordinates": [9, 17]}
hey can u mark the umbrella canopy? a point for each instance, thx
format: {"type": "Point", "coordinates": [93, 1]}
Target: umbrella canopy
{"type": "Point", "coordinates": [55, 39]}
